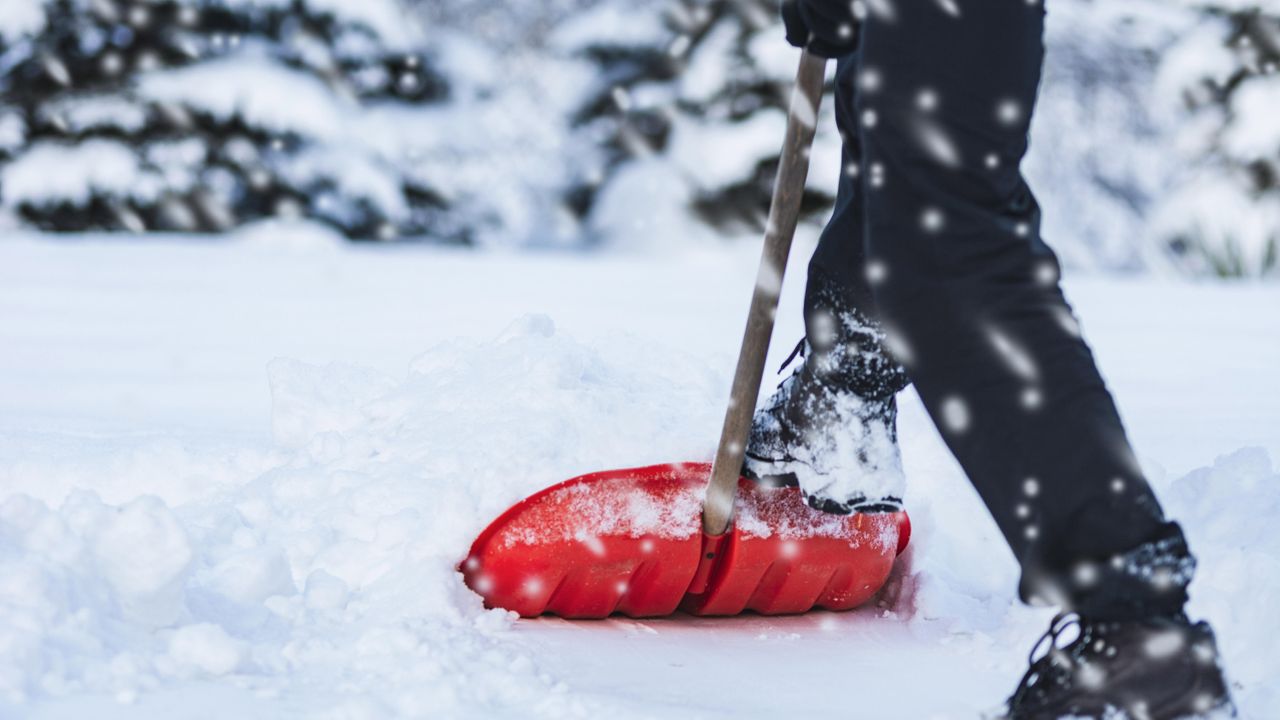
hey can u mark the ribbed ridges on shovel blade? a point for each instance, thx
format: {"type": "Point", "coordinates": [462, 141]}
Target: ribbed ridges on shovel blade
{"type": "Point", "coordinates": [548, 554]}
{"type": "Point", "coordinates": [779, 576]}
{"type": "Point", "coordinates": [613, 542]}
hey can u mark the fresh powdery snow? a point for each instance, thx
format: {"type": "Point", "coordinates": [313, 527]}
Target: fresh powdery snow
{"type": "Point", "coordinates": [236, 479]}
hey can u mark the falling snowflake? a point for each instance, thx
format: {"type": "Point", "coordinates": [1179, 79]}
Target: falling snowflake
{"type": "Point", "coordinates": [955, 414]}
{"type": "Point", "coordinates": [769, 278]}
{"type": "Point", "coordinates": [1091, 676]}
{"type": "Point", "coordinates": [1014, 355]}
{"type": "Point", "coordinates": [937, 143]}
{"type": "Point", "coordinates": [1032, 398]}
{"type": "Point", "coordinates": [112, 63]}
{"type": "Point", "coordinates": [822, 328]}
{"type": "Point", "coordinates": [1008, 112]}
{"type": "Point", "coordinates": [932, 220]}
{"type": "Point", "coordinates": [949, 7]}
{"type": "Point", "coordinates": [1086, 574]}
{"type": "Point", "coordinates": [1046, 273]}
{"type": "Point", "coordinates": [1068, 322]}
{"type": "Point", "coordinates": [877, 175]}
{"type": "Point", "coordinates": [876, 271]}
{"type": "Point", "coordinates": [898, 346]}
{"type": "Point", "coordinates": [621, 98]}
{"type": "Point", "coordinates": [870, 79]}
{"type": "Point", "coordinates": [1203, 702]}
{"type": "Point", "coordinates": [1164, 644]}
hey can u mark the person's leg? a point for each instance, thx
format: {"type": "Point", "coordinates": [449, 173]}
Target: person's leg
{"type": "Point", "coordinates": [839, 308]}
{"type": "Point", "coordinates": [830, 426]}
{"type": "Point", "coordinates": [970, 296]}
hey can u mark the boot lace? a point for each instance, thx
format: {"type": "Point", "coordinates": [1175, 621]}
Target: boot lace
{"type": "Point", "coordinates": [798, 352]}
{"type": "Point", "coordinates": [1053, 671]}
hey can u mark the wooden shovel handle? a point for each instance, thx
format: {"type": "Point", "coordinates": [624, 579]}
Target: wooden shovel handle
{"type": "Point", "coordinates": [784, 212]}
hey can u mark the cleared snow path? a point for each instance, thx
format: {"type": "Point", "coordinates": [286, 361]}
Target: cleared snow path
{"type": "Point", "coordinates": [234, 479]}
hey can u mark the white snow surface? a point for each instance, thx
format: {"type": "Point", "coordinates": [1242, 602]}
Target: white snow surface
{"type": "Point", "coordinates": [236, 478]}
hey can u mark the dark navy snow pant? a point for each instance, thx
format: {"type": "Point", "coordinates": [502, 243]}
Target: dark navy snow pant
{"type": "Point", "coordinates": [936, 236]}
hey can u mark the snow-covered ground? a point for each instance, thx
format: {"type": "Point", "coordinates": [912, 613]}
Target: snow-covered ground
{"type": "Point", "coordinates": [235, 479]}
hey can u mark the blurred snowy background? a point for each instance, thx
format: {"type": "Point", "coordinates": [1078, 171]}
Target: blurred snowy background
{"type": "Point", "coordinates": [267, 365]}
{"type": "Point", "coordinates": [628, 124]}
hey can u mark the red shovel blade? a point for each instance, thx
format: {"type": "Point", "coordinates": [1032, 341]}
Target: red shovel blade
{"type": "Point", "coordinates": [631, 542]}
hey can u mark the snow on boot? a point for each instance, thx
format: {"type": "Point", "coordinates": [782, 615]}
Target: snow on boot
{"type": "Point", "coordinates": [1158, 668]}
{"type": "Point", "coordinates": [818, 432]}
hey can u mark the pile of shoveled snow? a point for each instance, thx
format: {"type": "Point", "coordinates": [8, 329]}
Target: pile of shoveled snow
{"type": "Point", "coordinates": [333, 556]}
{"type": "Point", "coordinates": [1228, 513]}
{"type": "Point", "coordinates": [1229, 510]}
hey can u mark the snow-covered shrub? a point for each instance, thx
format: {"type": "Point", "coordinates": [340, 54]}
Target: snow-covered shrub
{"type": "Point", "coordinates": [688, 105]}
{"type": "Point", "coordinates": [688, 98]}
{"type": "Point", "coordinates": [200, 115]}
{"type": "Point", "coordinates": [626, 123]}
{"type": "Point", "coordinates": [1222, 214]}
{"type": "Point", "coordinates": [1098, 156]}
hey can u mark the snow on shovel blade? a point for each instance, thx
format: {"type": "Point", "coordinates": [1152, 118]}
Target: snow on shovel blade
{"type": "Point", "coordinates": [631, 542]}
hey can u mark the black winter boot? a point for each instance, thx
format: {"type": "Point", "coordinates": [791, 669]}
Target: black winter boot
{"type": "Point", "coordinates": [819, 431]}
{"type": "Point", "coordinates": [1157, 668]}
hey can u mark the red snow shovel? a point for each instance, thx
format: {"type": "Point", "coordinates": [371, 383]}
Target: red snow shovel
{"type": "Point", "coordinates": [647, 541]}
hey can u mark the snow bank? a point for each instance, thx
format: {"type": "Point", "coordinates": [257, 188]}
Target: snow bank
{"type": "Point", "coordinates": [160, 558]}
{"type": "Point", "coordinates": [86, 592]}
{"type": "Point", "coordinates": [1229, 510]}
{"type": "Point", "coordinates": [336, 560]}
